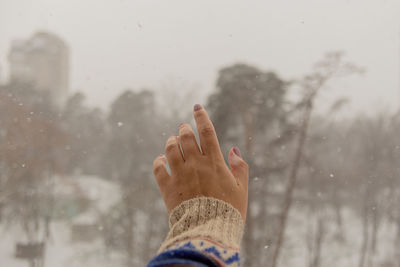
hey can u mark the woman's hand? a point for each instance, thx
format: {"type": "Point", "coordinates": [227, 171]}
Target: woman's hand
{"type": "Point", "coordinates": [197, 173]}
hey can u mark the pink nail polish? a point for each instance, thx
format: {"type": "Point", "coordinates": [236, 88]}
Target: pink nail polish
{"type": "Point", "coordinates": [237, 151]}
{"type": "Point", "coordinates": [197, 107]}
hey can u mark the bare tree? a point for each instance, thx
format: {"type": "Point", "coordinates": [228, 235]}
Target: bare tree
{"type": "Point", "coordinates": [331, 66]}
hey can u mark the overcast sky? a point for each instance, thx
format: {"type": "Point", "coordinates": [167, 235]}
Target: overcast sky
{"type": "Point", "coordinates": [134, 44]}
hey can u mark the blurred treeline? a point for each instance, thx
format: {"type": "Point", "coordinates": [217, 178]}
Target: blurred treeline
{"type": "Point", "coordinates": [321, 188]}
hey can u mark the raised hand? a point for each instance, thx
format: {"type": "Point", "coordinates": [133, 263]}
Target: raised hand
{"type": "Point", "coordinates": [202, 172]}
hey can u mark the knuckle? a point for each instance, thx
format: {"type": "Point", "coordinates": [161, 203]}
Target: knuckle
{"type": "Point", "coordinates": [170, 147]}
{"type": "Point", "coordinates": [171, 144]}
{"type": "Point", "coordinates": [186, 135]}
{"type": "Point", "coordinates": [158, 168]}
{"type": "Point", "coordinates": [207, 131]}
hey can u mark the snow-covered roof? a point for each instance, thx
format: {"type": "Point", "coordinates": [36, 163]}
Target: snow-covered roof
{"type": "Point", "coordinates": [89, 217]}
{"type": "Point", "coordinates": [102, 193]}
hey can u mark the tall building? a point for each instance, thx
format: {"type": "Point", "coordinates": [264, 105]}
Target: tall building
{"type": "Point", "coordinates": [42, 60]}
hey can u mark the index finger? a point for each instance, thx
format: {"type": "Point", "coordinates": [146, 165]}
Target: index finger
{"type": "Point", "coordinates": [208, 137]}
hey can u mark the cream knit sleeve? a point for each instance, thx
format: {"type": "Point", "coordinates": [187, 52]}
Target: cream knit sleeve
{"type": "Point", "coordinates": [209, 225]}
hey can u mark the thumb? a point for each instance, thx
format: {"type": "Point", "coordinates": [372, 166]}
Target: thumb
{"type": "Point", "coordinates": [239, 167]}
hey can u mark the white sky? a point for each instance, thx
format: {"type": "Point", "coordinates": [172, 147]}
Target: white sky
{"type": "Point", "coordinates": [134, 44]}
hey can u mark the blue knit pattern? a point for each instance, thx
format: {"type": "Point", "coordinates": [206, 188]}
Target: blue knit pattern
{"type": "Point", "coordinates": [197, 253]}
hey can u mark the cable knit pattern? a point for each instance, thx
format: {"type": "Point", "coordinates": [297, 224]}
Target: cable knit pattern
{"type": "Point", "coordinates": [208, 219]}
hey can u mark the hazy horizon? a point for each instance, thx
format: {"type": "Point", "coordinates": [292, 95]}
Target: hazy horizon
{"type": "Point", "coordinates": [120, 44]}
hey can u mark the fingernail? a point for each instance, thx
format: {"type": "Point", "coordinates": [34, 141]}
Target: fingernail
{"type": "Point", "coordinates": [161, 155]}
{"type": "Point", "coordinates": [180, 124]}
{"type": "Point", "coordinates": [237, 151]}
{"type": "Point", "coordinates": [196, 107]}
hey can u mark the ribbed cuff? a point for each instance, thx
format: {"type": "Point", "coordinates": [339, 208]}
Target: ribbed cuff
{"type": "Point", "coordinates": [205, 217]}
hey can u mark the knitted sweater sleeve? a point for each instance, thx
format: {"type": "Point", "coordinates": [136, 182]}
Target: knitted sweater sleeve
{"type": "Point", "coordinates": [204, 231]}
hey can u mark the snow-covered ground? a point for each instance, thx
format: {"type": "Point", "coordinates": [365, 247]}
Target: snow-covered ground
{"type": "Point", "coordinates": [335, 252]}
{"type": "Point", "coordinates": [62, 251]}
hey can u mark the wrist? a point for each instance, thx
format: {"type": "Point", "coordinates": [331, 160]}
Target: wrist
{"type": "Point", "coordinates": [205, 218]}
